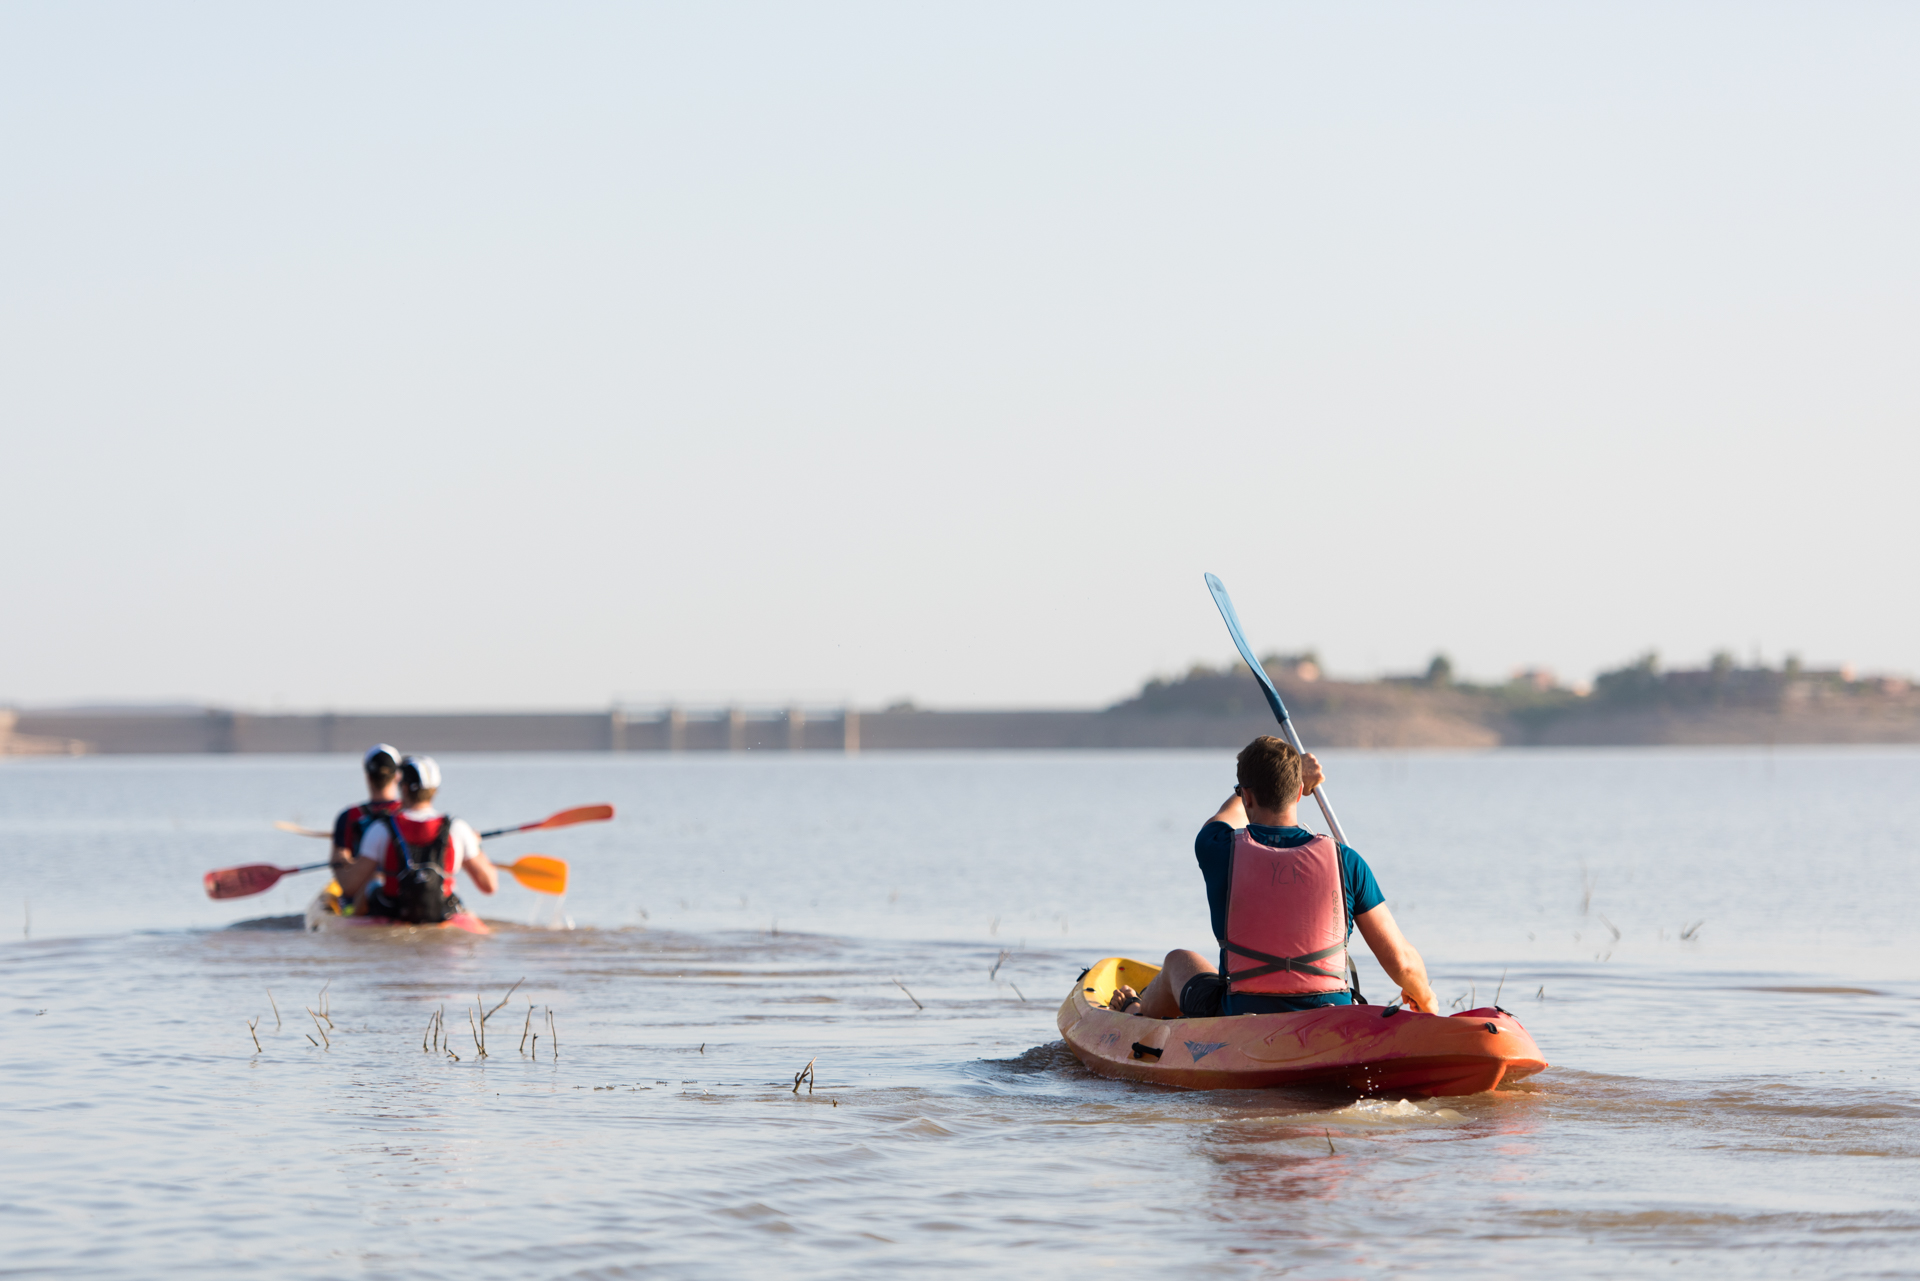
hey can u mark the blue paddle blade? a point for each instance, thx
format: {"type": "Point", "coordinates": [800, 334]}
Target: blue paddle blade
{"type": "Point", "coordinates": [1225, 602]}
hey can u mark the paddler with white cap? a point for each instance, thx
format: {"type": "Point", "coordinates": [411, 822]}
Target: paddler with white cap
{"type": "Point", "coordinates": [408, 859]}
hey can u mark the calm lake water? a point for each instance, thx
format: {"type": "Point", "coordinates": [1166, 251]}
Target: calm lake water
{"type": "Point", "coordinates": [1716, 949]}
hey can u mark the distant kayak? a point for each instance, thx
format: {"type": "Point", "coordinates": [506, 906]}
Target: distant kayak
{"type": "Point", "coordinates": [323, 915]}
{"type": "Point", "coordinates": [1370, 1048]}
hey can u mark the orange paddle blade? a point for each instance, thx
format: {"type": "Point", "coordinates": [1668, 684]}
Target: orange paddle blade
{"type": "Point", "coordinates": [579, 814]}
{"type": "Point", "coordinates": [238, 882]}
{"type": "Point", "coordinates": [539, 873]}
{"type": "Point", "coordinates": [298, 830]}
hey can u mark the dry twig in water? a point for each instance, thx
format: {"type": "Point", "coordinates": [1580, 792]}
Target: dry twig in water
{"type": "Point", "coordinates": [553, 1035]}
{"type": "Point", "coordinates": [526, 1029]}
{"type": "Point", "coordinates": [805, 1074]}
{"type": "Point", "coordinates": [1329, 1134]}
{"type": "Point", "coordinates": [480, 1046]}
{"type": "Point", "coordinates": [1017, 992]}
{"type": "Point", "coordinates": [322, 1030]}
{"type": "Point", "coordinates": [1004, 954]}
{"type": "Point", "coordinates": [252, 1024]}
{"type": "Point", "coordinates": [503, 1001]}
{"type": "Point", "coordinates": [276, 1010]}
{"type": "Point", "coordinates": [910, 996]}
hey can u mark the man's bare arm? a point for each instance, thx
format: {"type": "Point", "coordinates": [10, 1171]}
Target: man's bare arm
{"type": "Point", "coordinates": [1231, 812]}
{"type": "Point", "coordinates": [481, 869]}
{"type": "Point", "coordinates": [1397, 957]}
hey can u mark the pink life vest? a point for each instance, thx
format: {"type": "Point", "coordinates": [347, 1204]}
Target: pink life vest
{"type": "Point", "coordinates": [1286, 918]}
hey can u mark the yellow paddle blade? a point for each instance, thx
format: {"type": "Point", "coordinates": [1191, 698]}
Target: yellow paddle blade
{"type": "Point", "coordinates": [539, 873]}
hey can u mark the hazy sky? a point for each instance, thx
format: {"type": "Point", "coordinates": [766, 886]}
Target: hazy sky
{"type": "Point", "coordinates": [512, 355]}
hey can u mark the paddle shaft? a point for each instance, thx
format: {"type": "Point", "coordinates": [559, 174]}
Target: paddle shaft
{"type": "Point", "coordinates": [1287, 731]}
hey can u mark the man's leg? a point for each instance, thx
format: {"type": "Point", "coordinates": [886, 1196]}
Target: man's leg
{"type": "Point", "coordinates": [1161, 1000]}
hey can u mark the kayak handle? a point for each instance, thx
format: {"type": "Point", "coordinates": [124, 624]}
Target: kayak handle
{"type": "Point", "coordinates": [1141, 1051]}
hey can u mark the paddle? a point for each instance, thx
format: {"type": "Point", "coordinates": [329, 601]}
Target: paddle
{"type": "Point", "coordinates": [565, 818]}
{"type": "Point", "coordinates": [537, 872]}
{"type": "Point", "coordinates": [1225, 602]}
{"type": "Point", "coordinates": [1287, 731]}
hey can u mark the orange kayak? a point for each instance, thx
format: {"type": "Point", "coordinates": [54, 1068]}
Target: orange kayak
{"type": "Point", "coordinates": [1371, 1048]}
{"type": "Point", "coordinates": [323, 916]}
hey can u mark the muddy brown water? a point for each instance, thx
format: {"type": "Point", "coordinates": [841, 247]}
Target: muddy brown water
{"type": "Point", "coordinates": [1716, 949]}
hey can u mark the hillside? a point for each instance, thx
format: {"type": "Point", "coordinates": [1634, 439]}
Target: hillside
{"type": "Point", "coordinates": [1638, 703]}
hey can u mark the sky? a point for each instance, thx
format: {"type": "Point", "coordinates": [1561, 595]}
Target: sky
{"type": "Point", "coordinates": [498, 356]}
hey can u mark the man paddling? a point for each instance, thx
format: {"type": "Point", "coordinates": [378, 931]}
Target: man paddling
{"type": "Point", "coordinates": [1284, 905]}
{"type": "Point", "coordinates": [408, 860]}
{"type": "Point", "coordinates": [382, 767]}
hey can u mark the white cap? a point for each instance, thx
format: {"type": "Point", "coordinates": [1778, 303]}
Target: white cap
{"type": "Point", "coordinates": [419, 773]}
{"type": "Point", "coordinates": [374, 753]}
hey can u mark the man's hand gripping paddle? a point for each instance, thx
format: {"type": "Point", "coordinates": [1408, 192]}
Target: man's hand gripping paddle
{"type": "Point", "coordinates": [537, 872]}
{"type": "Point", "coordinates": [1287, 731]}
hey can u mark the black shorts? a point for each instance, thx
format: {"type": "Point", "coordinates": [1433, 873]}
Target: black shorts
{"type": "Point", "coordinates": [1200, 998]}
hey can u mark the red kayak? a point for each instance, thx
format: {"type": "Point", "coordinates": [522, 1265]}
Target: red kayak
{"type": "Point", "coordinates": [323, 915]}
{"type": "Point", "coordinates": [1370, 1048]}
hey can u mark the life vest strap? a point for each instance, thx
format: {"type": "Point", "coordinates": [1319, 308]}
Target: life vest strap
{"type": "Point", "coordinates": [1279, 964]}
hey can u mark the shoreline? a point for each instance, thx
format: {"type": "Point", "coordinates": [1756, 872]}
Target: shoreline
{"type": "Point", "coordinates": [219, 731]}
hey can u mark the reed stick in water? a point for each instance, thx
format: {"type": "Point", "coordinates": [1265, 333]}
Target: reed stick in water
{"type": "Point", "coordinates": [503, 1001]}
{"type": "Point", "coordinates": [252, 1024]}
{"type": "Point", "coordinates": [526, 1028]}
{"type": "Point", "coordinates": [910, 996]}
{"type": "Point", "coordinates": [276, 1010]}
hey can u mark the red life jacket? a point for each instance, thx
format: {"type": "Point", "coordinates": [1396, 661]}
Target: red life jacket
{"type": "Point", "coordinates": [423, 842]}
{"type": "Point", "coordinates": [354, 822]}
{"type": "Point", "coordinates": [1286, 918]}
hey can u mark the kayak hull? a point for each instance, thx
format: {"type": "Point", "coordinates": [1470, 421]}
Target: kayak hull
{"type": "Point", "coordinates": [323, 917]}
{"type": "Point", "coordinates": [1363, 1048]}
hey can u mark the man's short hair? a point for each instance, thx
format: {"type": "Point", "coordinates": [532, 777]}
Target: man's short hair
{"type": "Point", "coordinates": [1269, 771]}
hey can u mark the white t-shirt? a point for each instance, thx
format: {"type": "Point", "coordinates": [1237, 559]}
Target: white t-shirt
{"type": "Point", "coordinates": [465, 841]}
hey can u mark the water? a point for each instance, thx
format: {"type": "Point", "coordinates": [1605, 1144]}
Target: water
{"type": "Point", "coordinates": [1742, 1100]}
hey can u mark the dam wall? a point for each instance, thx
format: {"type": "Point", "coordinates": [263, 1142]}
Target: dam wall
{"type": "Point", "coordinates": [746, 729]}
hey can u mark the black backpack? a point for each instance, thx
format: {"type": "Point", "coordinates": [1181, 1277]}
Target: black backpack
{"type": "Point", "coordinates": [423, 894]}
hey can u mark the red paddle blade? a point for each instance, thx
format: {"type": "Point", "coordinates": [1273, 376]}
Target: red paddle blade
{"type": "Point", "coordinates": [238, 882]}
{"type": "Point", "coordinates": [580, 814]}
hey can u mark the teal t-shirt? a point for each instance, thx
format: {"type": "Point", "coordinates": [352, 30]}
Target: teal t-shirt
{"type": "Point", "coordinates": [1213, 848]}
